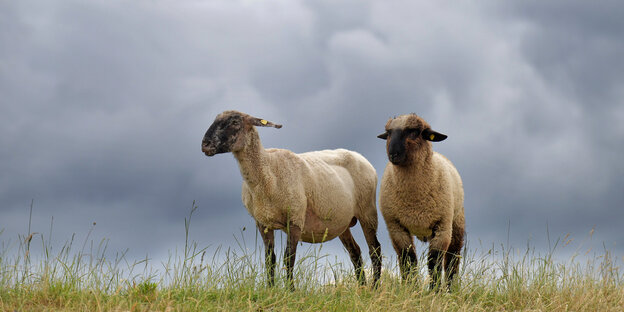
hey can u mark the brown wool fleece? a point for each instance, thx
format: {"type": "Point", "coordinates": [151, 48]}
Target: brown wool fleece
{"type": "Point", "coordinates": [424, 196]}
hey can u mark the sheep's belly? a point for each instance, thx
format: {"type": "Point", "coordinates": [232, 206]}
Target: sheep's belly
{"type": "Point", "coordinates": [317, 230]}
{"type": "Point", "coordinates": [317, 237]}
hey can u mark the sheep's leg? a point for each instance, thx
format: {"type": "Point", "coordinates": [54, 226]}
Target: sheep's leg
{"type": "Point", "coordinates": [268, 238]}
{"type": "Point", "coordinates": [453, 255]}
{"type": "Point", "coordinates": [403, 244]}
{"type": "Point", "coordinates": [355, 253]}
{"type": "Point", "coordinates": [435, 264]}
{"type": "Point", "coordinates": [294, 234]}
{"type": "Point", "coordinates": [374, 250]}
{"type": "Point", "coordinates": [437, 250]}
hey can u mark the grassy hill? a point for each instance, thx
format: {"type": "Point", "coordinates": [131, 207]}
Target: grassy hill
{"type": "Point", "coordinates": [83, 278]}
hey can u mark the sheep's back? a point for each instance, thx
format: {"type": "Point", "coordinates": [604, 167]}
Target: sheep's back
{"type": "Point", "coordinates": [325, 188]}
{"type": "Point", "coordinates": [341, 178]}
{"type": "Point", "coordinates": [359, 168]}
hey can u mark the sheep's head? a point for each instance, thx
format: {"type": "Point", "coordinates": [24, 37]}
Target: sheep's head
{"type": "Point", "coordinates": [406, 134]}
{"type": "Point", "coordinates": [229, 130]}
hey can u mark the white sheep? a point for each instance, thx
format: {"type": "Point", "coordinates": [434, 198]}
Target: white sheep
{"type": "Point", "coordinates": [312, 196]}
{"type": "Point", "coordinates": [421, 195]}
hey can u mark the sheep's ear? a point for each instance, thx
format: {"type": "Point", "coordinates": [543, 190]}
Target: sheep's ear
{"type": "Point", "coordinates": [263, 123]}
{"type": "Point", "coordinates": [383, 136]}
{"type": "Point", "coordinates": [433, 136]}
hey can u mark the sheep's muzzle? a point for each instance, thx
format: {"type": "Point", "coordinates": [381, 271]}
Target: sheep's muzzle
{"type": "Point", "coordinates": [208, 150]}
{"type": "Point", "coordinates": [397, 159]}
{"type": "Point", "coordinates": [396, 148]}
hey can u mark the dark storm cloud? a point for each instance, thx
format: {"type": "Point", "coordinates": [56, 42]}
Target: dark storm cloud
{"type": "Point", "coordinates": [573, 47]}
{"type": "Point", "coordinates": [104, 105]}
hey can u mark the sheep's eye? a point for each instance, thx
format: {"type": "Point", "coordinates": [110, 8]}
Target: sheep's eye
{"type": "Point", "coordinates": [412, 133]}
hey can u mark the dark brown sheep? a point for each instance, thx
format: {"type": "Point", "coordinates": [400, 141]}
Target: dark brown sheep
{"type": "Point", "coordinates": [421, 195]}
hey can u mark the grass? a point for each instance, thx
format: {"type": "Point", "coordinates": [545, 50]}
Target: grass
{"type": "Point", "coordinates": [499, 279]}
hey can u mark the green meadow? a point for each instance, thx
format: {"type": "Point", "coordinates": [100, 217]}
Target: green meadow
{"type": "Point", "coordinates": [80, 276]}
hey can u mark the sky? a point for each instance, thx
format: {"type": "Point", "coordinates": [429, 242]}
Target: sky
{"type": "Point", "coordinates": [103, 105]}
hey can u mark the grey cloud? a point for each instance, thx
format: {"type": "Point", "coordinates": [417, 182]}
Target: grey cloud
{"type": "Point", "coordinates": [104, 106]}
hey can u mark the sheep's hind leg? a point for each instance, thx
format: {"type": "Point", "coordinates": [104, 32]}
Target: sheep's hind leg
{"type": "Point", "coordinates": [374, 250]}
{"type": "Point", "coordinates": [268, 238]}
{"type": "Point", "coordinates": [354, 252]}
{"type": "Point", "coordinates": [294, 234]}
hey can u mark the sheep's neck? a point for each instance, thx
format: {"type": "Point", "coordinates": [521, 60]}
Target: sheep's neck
{"type": "Point", "coordinates": [419, 164]}
{"type": "Point", "coordinates": [253, 161]}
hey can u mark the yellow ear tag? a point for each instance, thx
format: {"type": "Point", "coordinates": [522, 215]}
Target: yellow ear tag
{"type": "Point", "coordinates": [264, 122]}
{"type": "Point", "coordinates": [431, 137]}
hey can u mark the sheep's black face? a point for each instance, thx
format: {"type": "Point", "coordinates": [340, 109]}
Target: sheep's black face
{"type": "Point", "coordinates": [228, 132]}
{"type": "Point", "coordinates": [222, 135]}
{"type": "Point", "coordinates": [398, 139]}
{"type": "Point", "coordinates": [405, 135]}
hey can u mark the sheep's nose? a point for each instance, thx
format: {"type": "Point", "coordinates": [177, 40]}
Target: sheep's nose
{"type": "Point", "coordinates": [208, 150]}
{"type": "Point", "coordinates": [396, 158]}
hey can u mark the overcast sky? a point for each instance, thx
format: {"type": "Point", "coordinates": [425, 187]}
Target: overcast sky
{"type": "Point", "coordinates": [103, 105]}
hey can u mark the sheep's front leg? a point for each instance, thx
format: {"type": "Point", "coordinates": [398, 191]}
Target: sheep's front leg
{"type": "Point", "coordinates": [453, 255]}
{"type": "Point", "coordinates": [294, 234]}
{"type": "Point", "coordinates": [268, 238]}
{"type": "Point", "coordinates": [434, 262]}
{"type": "Point", "coordinates": [403, 244]}
{"type": "Point", "coordinates": [437, 251]}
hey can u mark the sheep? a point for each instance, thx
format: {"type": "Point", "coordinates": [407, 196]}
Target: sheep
{"type": "Point", "coordinates": [421, 195]}
{"type": "Point", "coordinates": [313, 197]}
